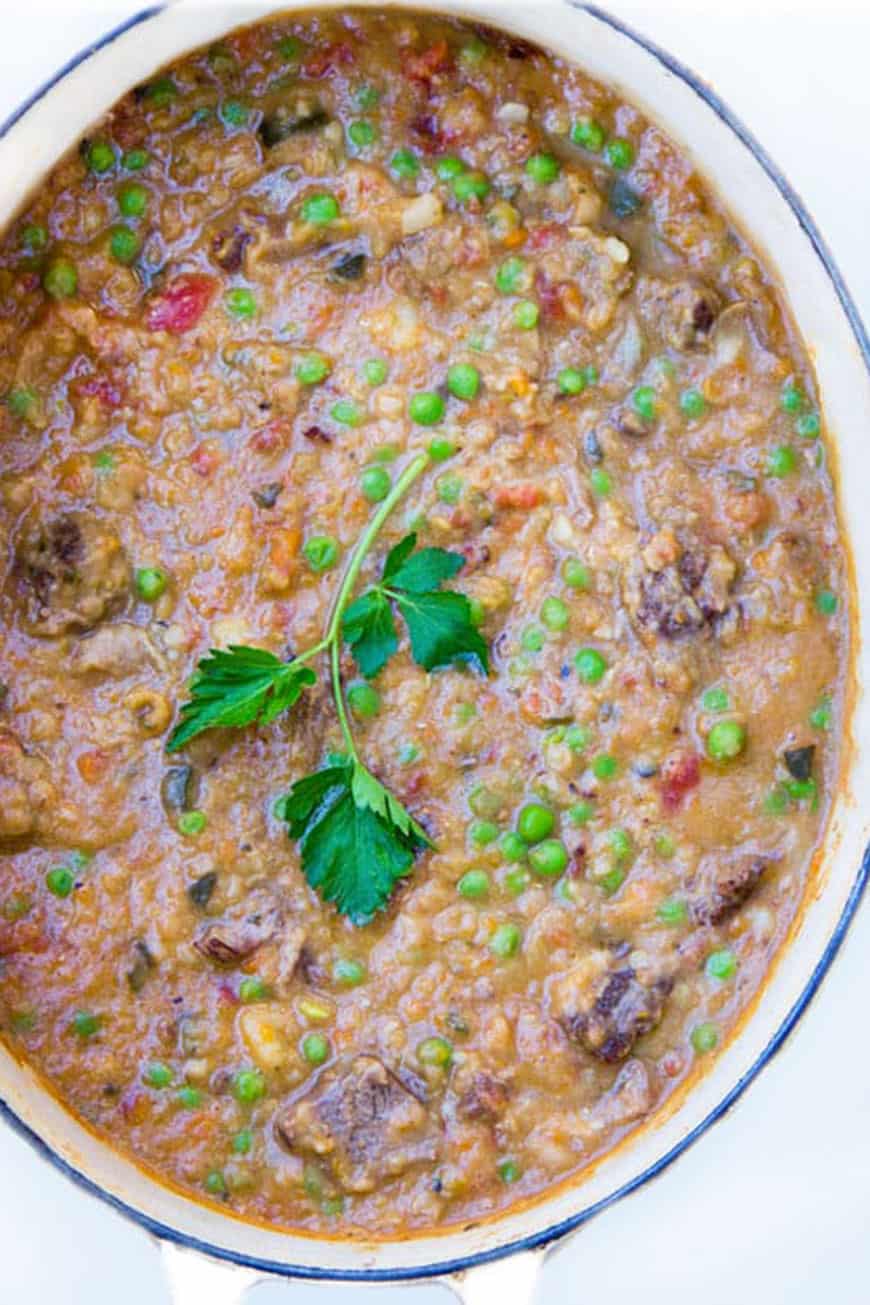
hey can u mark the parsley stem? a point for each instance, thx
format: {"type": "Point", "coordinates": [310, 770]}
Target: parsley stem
{"type": "Point", "coordinates": [338, 695]}
{"type": "Point", "coordinates": [309, 653]}
{"type": "Point", "coordinates": [367, 538]}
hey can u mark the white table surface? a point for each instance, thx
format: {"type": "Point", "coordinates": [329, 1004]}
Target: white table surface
{"type": "Point", "coordinates": [772, 1205]}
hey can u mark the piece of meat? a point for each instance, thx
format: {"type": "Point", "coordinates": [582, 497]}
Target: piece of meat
{"type": "Point", "coordinates": [683, 312]}
{"type": "Point", "coordinates": [362, 1122]}
{"type": "Point", "coordinates": [231, 940]}
{"type": "Point", "coordinates": [27, 795]}
{"type": "Point", "coordinates": [680, 597]}
{"type": "Point", "coordinates": [116, 650]}
{"type": "Point", "coordinates": [630, 1097]}
{"type": "Point", "coordinates": [71, 572]}
{"type": "Point", "coordinates": [486, 1099]}
{"type": "Point", "coordinates": [725, 881]}
{"type": "Point", "coordinates": [604, 1005]}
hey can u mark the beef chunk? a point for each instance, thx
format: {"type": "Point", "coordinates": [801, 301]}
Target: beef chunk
{"type": "Point", "coordinates": [71, 572]}
{"type": "Point", "coordinates": [604, 1005]}
{"type": "Point", "coordinates": [231, 940]}
{"type": "Point", "coordinates": [363, 1122]}
{"type": "Point", "coordinates": [630, 1097]}
{"type": "Point", "coordinates": [799, 761]}
{"type": "Point", "coordinates": [116, 650]}
{"type": "Point", "coordinates": [679, 597]}
{"type": "Point", "coordinates": [228, 247]}
{"type": "Point", "coordinates": [140, 965]}
{"type": "Point", "coordinates": [485, 1099]}
{"type": "Point", "coordinates": [682, 311]}
{"type": "Point", "coordinates": [27, 795]}
{"type": "Point", "coordinates": [725, 882]}
{"type": "Point", "coordinates": [286, 121]}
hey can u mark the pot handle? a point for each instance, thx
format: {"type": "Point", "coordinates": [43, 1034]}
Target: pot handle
{"type": "Point", "coordinates": [195, 1278]}
{"type": "Point", "coordinates": [510, 1281]}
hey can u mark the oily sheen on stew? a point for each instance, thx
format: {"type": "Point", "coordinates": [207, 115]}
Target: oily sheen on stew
{"type": "Point", "coordinates": [424, 632]}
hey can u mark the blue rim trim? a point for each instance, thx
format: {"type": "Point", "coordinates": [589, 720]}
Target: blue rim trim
{"type": "Point", "coordinates": [547, 1235]}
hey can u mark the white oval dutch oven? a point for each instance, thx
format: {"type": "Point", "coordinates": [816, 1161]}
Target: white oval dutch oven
{"type": "Point", "coordinates": [213, 1256]}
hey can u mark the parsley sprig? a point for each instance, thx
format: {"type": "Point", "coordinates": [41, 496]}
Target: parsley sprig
{"type": "Point", "coordinates": [355, 837]}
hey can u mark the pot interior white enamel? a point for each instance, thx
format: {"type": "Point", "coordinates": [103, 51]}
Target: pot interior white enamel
{"type": "Point", "coordinates": [762, 203]}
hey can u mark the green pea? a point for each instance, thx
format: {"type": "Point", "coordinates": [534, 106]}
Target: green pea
{"type": "Point", "coordinates": [135, 160]}
{"type": "Point", "coordinates": [781, 461]}
{"type": "Point", "coordinates": [776, 802]}
{"type": "Point", "coordinates": [665, 845]}
{"type": "Point", "coordinates": [619, 153]}
{"type": "Point", "coordinates": [315, 1048]}
{"type": "Point", "coordinates": [826, 602]}
{"type": "Point", "coordinates": [535, 822]}
{"type": "Point", "coordinates": [821, 715]}
{"type": "Point", "coordinates": [581, 813]}
{"type": "Point", "coordinates": [449, 167]}
{"type": "Point", "coordinates": [449, 488]}
{"type": "Point", "coordinates": [60, 279]}
{"type": "Point", "coordinates": [543, 168]}
{"type": "Point", "coordinates": [408, 754]}
{"type": "Point", "coordinates": [532, 639]}
{"type": "Point", "coordinates": [588, 134]}
{"type": "Point", "coordinates": [483, 832]}
{"type": "Point", "coordinates": [249, 1086]}
{"type": "Point", "coordinates": [575, 574]}
{"type": "Point", "coordinates": [513, 846]}
{"type": "Point", "coordinates": [470, 186]}
{"type": "Point", "coordinates": [726, 740]}
{"type": "Point", "coordinates": [463, 381]}
{"type": "Point", "coordinates": [716, 700]}
{"type": "Point", "coordinates": [621, 846]}
{"type": "Point", "coordinates": [571, 380]}
{"type": "Point", "coordinates": [526, 315]}
{"type": "Point", "coordinates": [240, 303]}
{"type": "Point", "coordinates": [234, 113]}
{"type": "Point", "coordinates": [85, 1023]}
{"type": "Point", "coordinates": [348, 972]}
{"type": "Point", "coordinates": [191, 823]}
{"type": "Point", "coordinates": [252, 988]}
{"type": "Point", "coordinates": [692, 404]}
{"type": "Point", "coordinates": [704, 1038]}
{"type": "Point", "coordinates": [643, 400]}
{"type": "Point", "coordinates": [600, 482]}
{"type": "Point", "coordinates": [591, 665]}
{"type": "Point", "coordinates": [190, 1098]}
{"type": "Point", "coordinates": [505, 942]}
{"type": "Point", "coordinates": [132, 199]}
{"type": "Point", "coordinates": [517, 880]}
{"type": "Point", "coordinates": [215, 1183]}
{"type": "Point", "coordinates": [474, 51]}
{"type": "Point", "coordinates": [321, 552]}
{"type": "Point", "coordinates": [157, 1074]}
{"type": "Point", "coordinates": [437, 1052]}
{"type": "Point", "coordinates": [809, 427]}
{"type": "Point", "coordinates": [508, 1171]}
{"type": "Point", "coordinates": [673, 911]}
{"type": "Point", "coordinates": [319, 210]}
{"type": "Point", "coordinates": [312, 369]}
{"type": "Point", "coordinates": [512, 276]}
{"type": "Point", "coordinates": [721, 965]}
{"type": "Point", "coordinates": [160, 92]}
{"type": "Point", "coordinates": [484, 802]}
{"type": "Point", "coordinates": [362, 133]}
{"type": "Point", "coordinates": [100, 156]}
{"type": "Point", "coordinates": [405, 164]}
{"type": "Point", "coordinates": [60, 881]}
{"type": "Point", "coordinates": [375, 484]}
{"type": "Point", "coordinates": [363, 700]}
{"type": "Point", "coordinates": [549, 858]}
{"type": "Point", "coordinates": [791, 398]}
{"type": "Point", "coordinates": [242, 1141]}
{"type": "Point", "coordinates": [555, 614]}
{"type": "Point", "coordinates": [151, 582]}
{"type": "Point", "coordinates": [367, 97]}
{"type": "Point", "coordinates": [346, 413]}
{"type": "Point", "coordinates": [440, 450]}
{"type": "Point", "coordinates": [605, 766]}
{"type": "Point", "coordinates": [426, 408]}
{"type": "Point", "coordinates": [124, 244]}
{"type": "Point", "coordinates": [375, 371]}
{"type": "Point", "coordinates": [34, 237]}
{"type": "Point", "coordinates": [612, 880]}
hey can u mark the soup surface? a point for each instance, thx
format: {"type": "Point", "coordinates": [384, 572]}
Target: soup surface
{"type": "Point", "coordinates": [386, 275]}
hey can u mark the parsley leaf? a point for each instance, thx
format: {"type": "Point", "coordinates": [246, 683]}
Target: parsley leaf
{"type": "Point", "coordinates": [439, 622]}
{"type": "Point", "coordinates": [238, 686]}
{"type": "Point", "coordinates": [355, 837]}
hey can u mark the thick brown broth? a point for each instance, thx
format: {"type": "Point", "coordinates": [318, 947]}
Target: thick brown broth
{"type": "Point", "coordinates": [214, 317]}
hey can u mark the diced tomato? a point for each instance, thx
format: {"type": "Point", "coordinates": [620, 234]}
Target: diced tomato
{"type": "Point", "coordinates": [100, 387]}
{"type": "Point", "coordinates": [325, 61]}
{"type": "Point", "coordinates": [93, 765]}
{"type": "Point", "coordinates": [181, 304]}
{"type": "Point", "coordinates": [205, 459]}
{"type": "Point", "coordinates": [545, 235]}
{"type": "Point", "coordinates": [227, 994]}
{"type": "Point", "coordinates": [522, 497]}
{"type": "Point", "coordinates": [424, 66]}
{"type": "Point", "coordinates": [273, 436]}
{"type": "Point", "coordinates": [680, 773]}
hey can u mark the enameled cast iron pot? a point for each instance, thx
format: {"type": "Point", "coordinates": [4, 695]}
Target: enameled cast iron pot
{"type": "Point", "coordinates": [213, 1256]}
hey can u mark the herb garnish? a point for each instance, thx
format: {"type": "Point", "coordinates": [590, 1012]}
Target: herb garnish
{"type": "Point", "coordinates": [355, 837]}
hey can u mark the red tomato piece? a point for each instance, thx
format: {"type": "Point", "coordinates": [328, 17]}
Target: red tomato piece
{"type": "Point", "coordinates": [181, 304]}
{"type": "Point", "coordinates": [680, 773]}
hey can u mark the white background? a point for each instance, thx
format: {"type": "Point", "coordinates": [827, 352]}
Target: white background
{"type": "Point", "coordinates": [772, 1206]}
